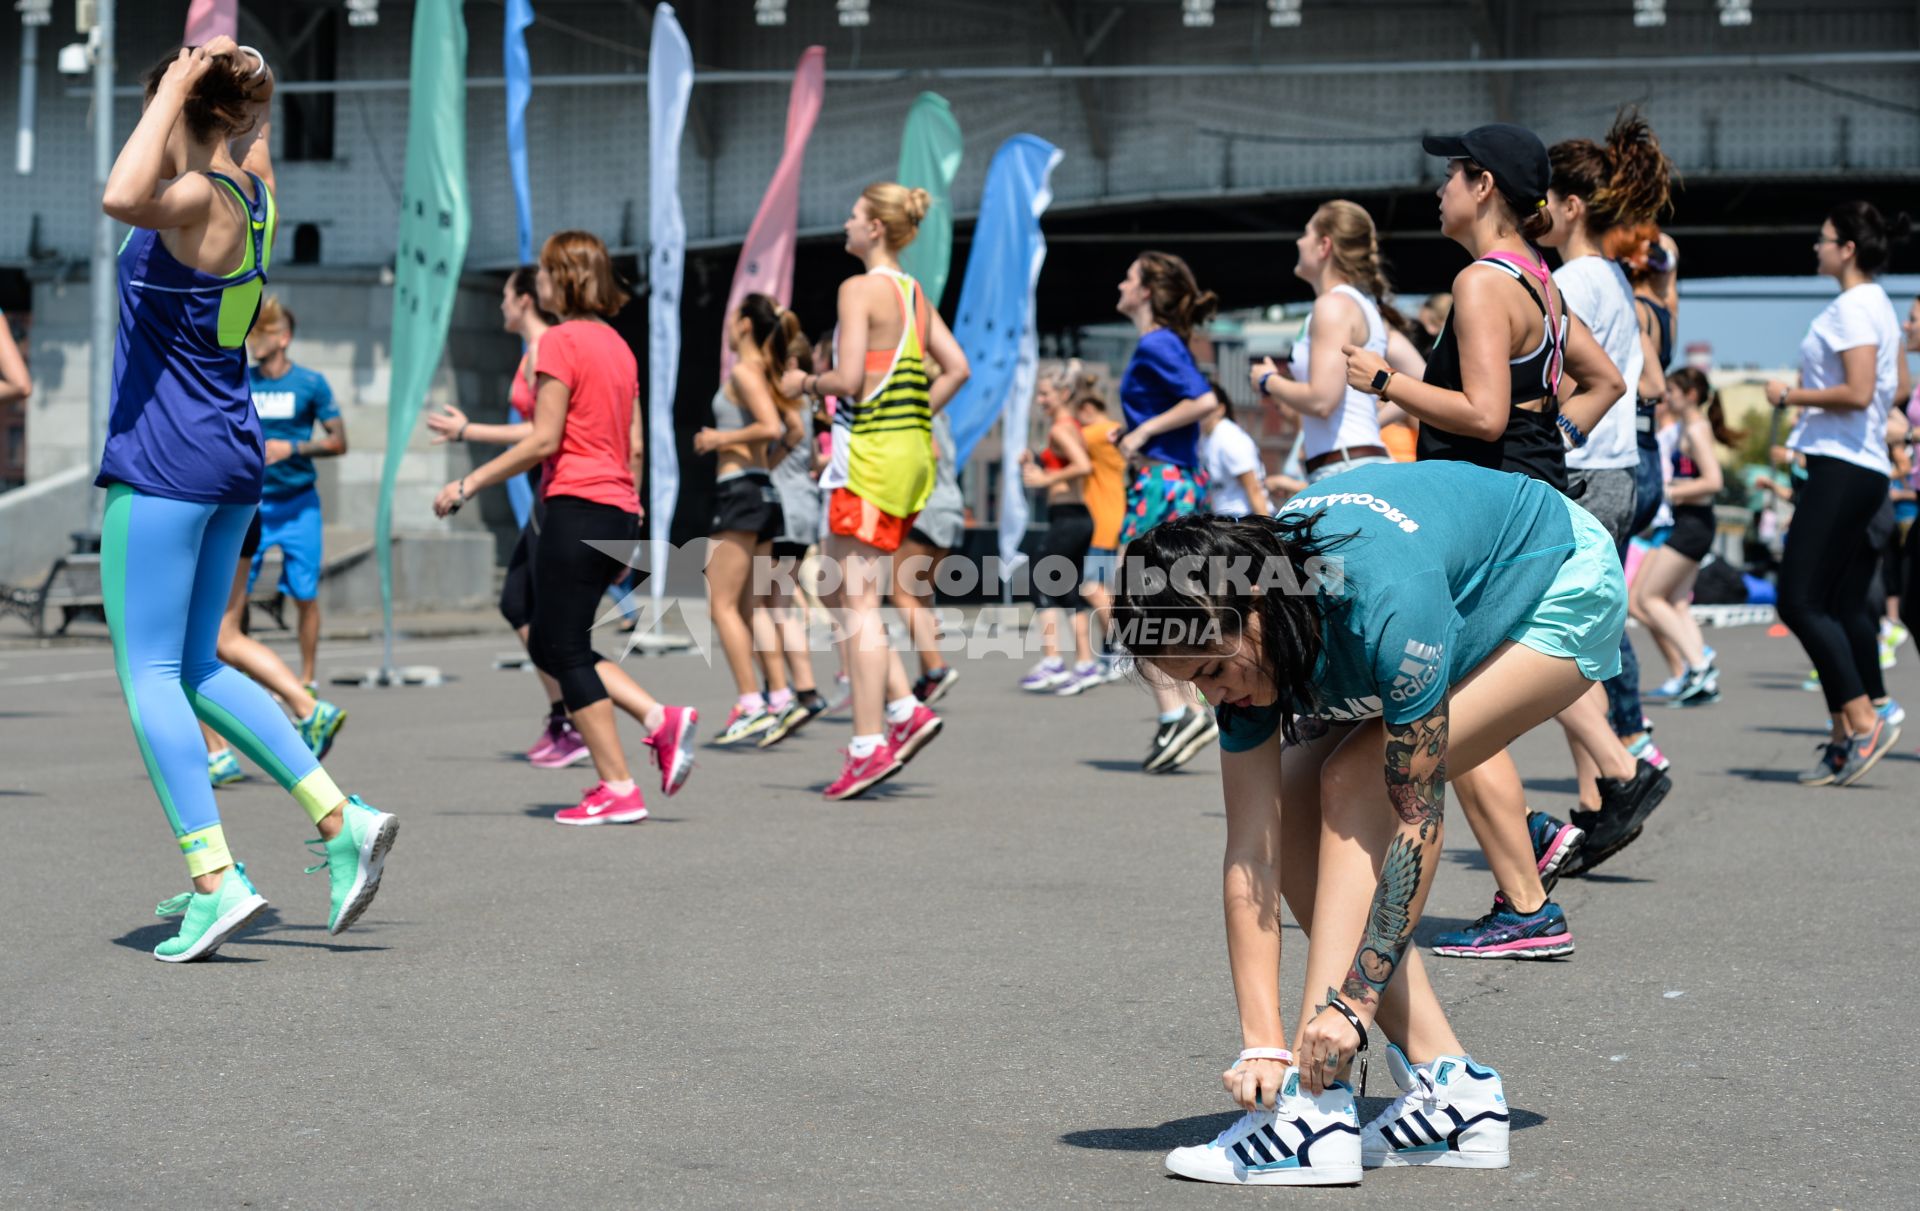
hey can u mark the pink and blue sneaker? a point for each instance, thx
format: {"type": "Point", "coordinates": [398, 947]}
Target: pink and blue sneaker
{"type": "Point", "coordinates": [1505, 934]}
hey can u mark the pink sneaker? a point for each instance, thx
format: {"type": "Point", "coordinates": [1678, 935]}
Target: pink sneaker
{"type": "Point", "coordinates": [859, 774]}
{"type": "Point", "coordinates": [672, 744]}
{"type": "Point", "coordinates": [602, 806]}
{"type": "Point", "coordinates": [907, 739]}
{"type": "Point", "coordinates": [567, 749]}
{"type": "Point", "coordinates": [543, 747]}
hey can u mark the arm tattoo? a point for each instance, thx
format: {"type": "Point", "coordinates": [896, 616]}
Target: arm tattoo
{"type": "Point", "coordinates": [1417, 769]}
{"type": "Point", "coordinates": [1416, 773]}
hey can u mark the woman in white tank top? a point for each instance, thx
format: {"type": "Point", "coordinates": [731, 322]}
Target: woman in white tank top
{"type": "Point", "coordinates": [1339, 256]}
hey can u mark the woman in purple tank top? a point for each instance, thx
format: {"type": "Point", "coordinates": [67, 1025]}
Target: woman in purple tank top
{"type": "Point", "coordinates": [182, 468]}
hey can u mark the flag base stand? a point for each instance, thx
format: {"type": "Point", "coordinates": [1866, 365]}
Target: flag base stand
{"type": "Point", "coordinates": [385, 678]}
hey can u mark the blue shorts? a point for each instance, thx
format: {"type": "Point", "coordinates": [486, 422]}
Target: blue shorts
{"type": "Point", "coordinates": [293, 525]}
{"type": "Point", "coordinates": [1583, 613]}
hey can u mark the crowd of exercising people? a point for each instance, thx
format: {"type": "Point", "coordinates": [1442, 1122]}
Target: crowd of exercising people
{"type": "Point", "coordinates": [1443, 571]}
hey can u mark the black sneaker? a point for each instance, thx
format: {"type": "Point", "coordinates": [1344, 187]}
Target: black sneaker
{"type": "Point", "coordinates": [1178, 742]}
{"type": "Point", "coordinates": [934, 684]}
{"type": "Point", "coordinates": [1624, 808]}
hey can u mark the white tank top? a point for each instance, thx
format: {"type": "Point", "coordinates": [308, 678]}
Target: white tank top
{"type": "Point", "coordinates": [1357, 422]}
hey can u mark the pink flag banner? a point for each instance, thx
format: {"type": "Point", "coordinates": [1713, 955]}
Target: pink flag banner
{"type": "Point", "coordinates": [766, 259]}
{"type": "Point", "coordinates": [208, 19]}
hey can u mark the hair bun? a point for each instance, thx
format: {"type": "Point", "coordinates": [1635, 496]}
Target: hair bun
{"type": "Point", "coordinates": [1900, 229]}
{"type": "Point", "coordinates": [919, 202]}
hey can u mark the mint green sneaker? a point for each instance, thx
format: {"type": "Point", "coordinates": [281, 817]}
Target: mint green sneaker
{"type": "Point", "coordinates": [353, 860]}
{"type": "Point", "coordinates": [319, 728]}
{"type": "Point", "coordinates": [223, 768]}
{"type": "Point", "coordinates": [211, 917]}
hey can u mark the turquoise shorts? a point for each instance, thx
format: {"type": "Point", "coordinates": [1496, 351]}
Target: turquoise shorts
{"type": "Point", "coordinates": [1584, 611]}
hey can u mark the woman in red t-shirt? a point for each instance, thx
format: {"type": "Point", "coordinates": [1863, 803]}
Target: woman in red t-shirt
{"type": "Point", "coordinates": [586, 432]}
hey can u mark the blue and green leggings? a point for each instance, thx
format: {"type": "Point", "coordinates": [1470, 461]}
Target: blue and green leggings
{"type": "Point", "coordinates": [166, 568]}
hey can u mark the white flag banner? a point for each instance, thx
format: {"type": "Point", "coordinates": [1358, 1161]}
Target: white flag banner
{"type": "Point", "coordinates": [1014, 502]}
{"type": "Point", "coordinates": [669, 88]}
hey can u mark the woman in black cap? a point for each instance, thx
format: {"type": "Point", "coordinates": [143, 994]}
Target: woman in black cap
{"type": "Point", "coordinates": [1492, 395]}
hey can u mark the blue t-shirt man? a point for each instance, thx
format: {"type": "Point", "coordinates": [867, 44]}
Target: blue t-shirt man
{"type": "Point", "coordinates": [1445, 562]}
{"type": "Point", "coordinates": [289, 407]}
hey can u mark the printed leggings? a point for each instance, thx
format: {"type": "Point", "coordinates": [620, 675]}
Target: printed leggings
{"type": "Point", "coordinates": [166, 569]}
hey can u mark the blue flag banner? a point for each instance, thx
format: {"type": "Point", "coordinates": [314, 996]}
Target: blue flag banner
{"type": "Point", "coordinates": [519, 75]}
{"type": "Point", "coordinates": [669, 90]}
{"type": "Point", "coordinates": [995, 320]}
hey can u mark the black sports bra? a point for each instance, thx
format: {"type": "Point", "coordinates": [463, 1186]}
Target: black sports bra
{"type": "Point", "coordinates": [1532, 445]}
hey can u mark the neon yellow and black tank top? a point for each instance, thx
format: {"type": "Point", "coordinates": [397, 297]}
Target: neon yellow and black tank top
{"type": "Point", "coordinates": [889, 434]}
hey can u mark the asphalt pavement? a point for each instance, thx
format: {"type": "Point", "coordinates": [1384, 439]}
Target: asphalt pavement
{"type": "Point", "coordinates": [999, 982]}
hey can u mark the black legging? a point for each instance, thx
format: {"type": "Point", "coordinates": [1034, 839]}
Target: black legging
{"type": "Point", "coordinates": [1910, 590]}
{"type": "Point", "coordinates": [1069, 536]}
{"type": "Point", "coordinates": [516, 591]}
{"type": "Point", "coordinates": [570, 578]}
{"type": "Point", "coordinates": [1826, 577]}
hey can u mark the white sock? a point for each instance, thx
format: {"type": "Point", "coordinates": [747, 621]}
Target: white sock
{"type": "Point", "coordinates": [655, 718]}
{"type": "Point", "coordinates": [901, 709]}
{"type": "Point", "coordinates": [623, 789]}
{"type": "Point", "coordinates": [864, 746]}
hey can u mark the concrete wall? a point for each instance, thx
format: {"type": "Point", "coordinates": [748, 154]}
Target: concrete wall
{"type": "Point", "coordinates": [36, 523]}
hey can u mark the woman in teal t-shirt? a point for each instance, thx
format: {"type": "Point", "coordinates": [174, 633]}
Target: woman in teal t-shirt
{"type": "Point", "coordinates": [1398, 624]}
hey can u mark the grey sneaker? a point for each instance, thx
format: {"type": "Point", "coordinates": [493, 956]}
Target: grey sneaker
{"type": "Point", "coordinates": [1862, 753]}
{"type": "Point", "coordinates": [1833, 759]}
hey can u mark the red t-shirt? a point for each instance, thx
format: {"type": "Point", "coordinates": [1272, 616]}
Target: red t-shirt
{"type": "Point", "coordinates": [598, 370]}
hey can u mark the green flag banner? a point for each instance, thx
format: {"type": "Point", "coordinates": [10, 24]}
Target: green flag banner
{"type": "Point", "coordinates": [434, 224]}
{"type": "Point", "coordinates": [929, 160]}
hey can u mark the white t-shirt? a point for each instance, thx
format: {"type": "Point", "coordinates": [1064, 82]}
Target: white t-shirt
{"type": "Point", "coordinates": [1357, 422]}
{"type": "Point", "coordinates": [1597, 290]}
{"type": "Point", "coordinates": [1227, 453]}
{"type": "Point", "coordinates": [1863, 315]}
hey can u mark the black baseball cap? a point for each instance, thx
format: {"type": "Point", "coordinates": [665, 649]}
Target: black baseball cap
{"type": "Point", "coordinates": [1513, 154]}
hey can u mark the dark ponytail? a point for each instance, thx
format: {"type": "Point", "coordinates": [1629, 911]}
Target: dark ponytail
{"type": "Point", "coordinates": [1872, 236]}
{"type": "Point", "coordinates": [524, 282]}
{"type": "Point", "coordinates": [1178, 303]}
{"type": "Point", "coordinates": [1693, 381]}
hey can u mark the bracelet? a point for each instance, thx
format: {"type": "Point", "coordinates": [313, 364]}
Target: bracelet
{"type": "Point", "coordinates": [1353, 1019]}
{"type": "Point", "coordinates": [1261, 389]}
{"type": "Point", "coordinates": [462, 434]}
{"type": "Point", "coordinates": [1264, 1053]}
{"type": "Point", "coordinates": [1784, 393]}
{"type": "Point", "coordinates": [1572, 430]}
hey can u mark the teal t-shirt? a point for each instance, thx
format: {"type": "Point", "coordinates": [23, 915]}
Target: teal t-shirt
{"type": "Point", "coordinates": [1446, 559]}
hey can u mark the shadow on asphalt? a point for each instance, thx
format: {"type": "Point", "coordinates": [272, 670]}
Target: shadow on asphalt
{"type": "Point", "coordinates": [20, 794]}
{"type": "Point", "coordinates": [1555, 786]}
{"type": "Point", "coordinates": [260, 933]}
{"type": "Point", "coordinates": [1819, 733]}
{"type": "Point", "coordinates": [1766, 775]}
{"type": "Point", "coordinates": [1202, 1127]}
{"type": "Point", "coordinates": [1120, 765]}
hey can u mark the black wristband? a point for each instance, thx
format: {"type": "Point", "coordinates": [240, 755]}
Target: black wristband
{"type": "Point", "coordinates": [1339, 1006]}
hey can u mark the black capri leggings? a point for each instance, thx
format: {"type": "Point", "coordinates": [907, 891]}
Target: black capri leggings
{"type": "Point", "coordinates": [516, 591]}
{"type": "Point", "coordinates": [1069, 535]}
{"type": "Point", "coordinates": [1826, 577]}
{"type": "Point", "coordinates": [569, 578]}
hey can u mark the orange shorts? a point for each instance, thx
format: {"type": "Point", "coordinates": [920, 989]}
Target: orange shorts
{"type": "Point", "coordinates": [853, 517]}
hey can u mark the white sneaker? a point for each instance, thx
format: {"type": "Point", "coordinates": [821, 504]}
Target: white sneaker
{"type": "Point", "coordinates": [1451, 1112]}
{"type": "Point", "coordinates": [1304, 1142]}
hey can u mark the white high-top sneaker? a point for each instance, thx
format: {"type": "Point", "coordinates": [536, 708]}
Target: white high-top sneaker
{"type": "Point", "coordinates": [1304, 1141]}
{"type": "Point", "coordinates": [1451, 1112]}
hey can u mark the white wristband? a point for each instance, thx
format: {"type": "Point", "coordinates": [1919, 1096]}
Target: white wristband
{"type": "Point", "coordinates": [1264, 1053]}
